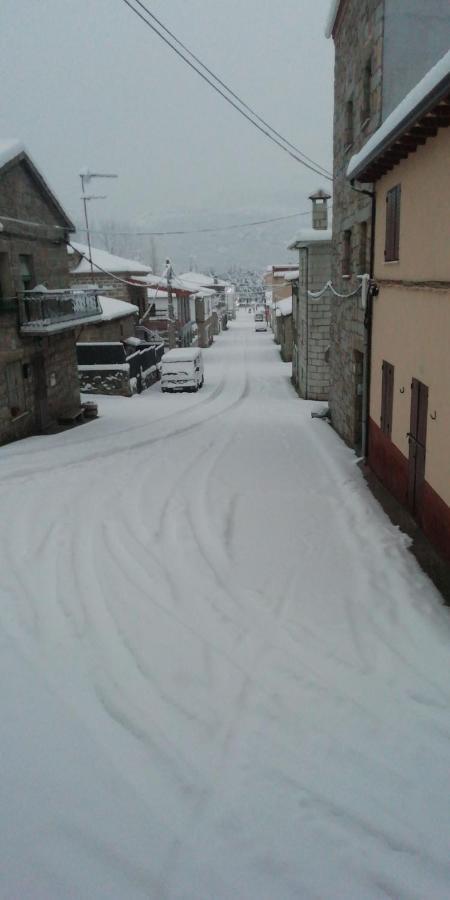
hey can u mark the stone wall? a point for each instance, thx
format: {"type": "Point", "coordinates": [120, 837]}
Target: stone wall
{"type": "Point", "coordinates": [427, 27]}
{"type": "Point", "coordinates": [116, 330]}
{"type": "Point", "coordinates": [41, 367]}
{"type": "Point", "coordinates": [358, 43]}
{"type": "Point", "coordinates": [56, 355]}
{"type": "Point", "coordinates": [311, 374]}
{"type": "Point", "coordinates": [110, 287]}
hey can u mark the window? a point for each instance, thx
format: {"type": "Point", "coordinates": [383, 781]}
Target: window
{"type": "Point", "coordinates": [26, 272]}
{"type": "Point", "coordinates": [363, 265]}
{"type": "Point", "coordinates": [387, 398]}
{"type": "Point", "coordinates": [347, 253]}
{"type": "Point", "coordinates": [348, 140]}
{"type": "Point", "coordinates": [367, 89]}
{"type": "Point", "coordinates": [15, 389]}
{"type": "Point", "coordinates": [392, 245]}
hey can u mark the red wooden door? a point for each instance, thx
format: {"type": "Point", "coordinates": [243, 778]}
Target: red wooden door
{"type": "Point", "coordinates": [417, 437]}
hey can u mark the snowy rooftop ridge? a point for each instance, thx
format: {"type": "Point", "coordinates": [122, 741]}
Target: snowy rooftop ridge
{"type": "Point", "coordinates": [332, 15]}
{"type": "Point", "coordinates": [107, 261]}
{"type": "Point", "coordinates": [9, 149]}
{"type": "Point", "coordinates": [310, 236]}
{"type": "Point", "coordinates": [411, 107]}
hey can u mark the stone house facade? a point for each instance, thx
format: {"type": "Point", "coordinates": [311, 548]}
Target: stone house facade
{"type": "Point", "coordinates": [312, 315]}
{"type": "Point", "coordinates": [38, 368]}
{"type": "Point", "coordinates": [129, 283]}
{"type": "Point", "coordinates": [408, 406]}
{"type": "Point", "coordinates": [374, 69]}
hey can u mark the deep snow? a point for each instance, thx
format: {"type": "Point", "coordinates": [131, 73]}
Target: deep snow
{"type": "Point", "coordinates": [222, 673]}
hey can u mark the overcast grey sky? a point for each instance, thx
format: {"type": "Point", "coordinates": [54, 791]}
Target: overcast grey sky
{"type": "Point", "coordinates": [85, 82]}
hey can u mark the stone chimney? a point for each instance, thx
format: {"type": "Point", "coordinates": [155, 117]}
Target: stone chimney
{"type": "Point", "coordinates": [320, 209]}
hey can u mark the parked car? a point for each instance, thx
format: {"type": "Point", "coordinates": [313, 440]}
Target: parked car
{"type": "Point", "coordinates": [182, 370]}
{"type": "Point", "coordinates": [260, 322]}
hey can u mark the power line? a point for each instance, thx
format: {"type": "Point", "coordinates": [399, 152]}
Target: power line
{"type": "Point", "coordinates": [313, 168]}
{"type": "Point", "coordinates": [195, 230]}
{"type": "Point", "coordinates": [230, 91]}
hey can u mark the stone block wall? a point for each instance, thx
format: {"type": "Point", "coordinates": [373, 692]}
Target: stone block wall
{"type": "Point", "coordinates": [358, 43]}
{"type": "Point", "coordinates": [313, 320]}
{"type": "Point", "coordinates": [110, 287]}
{"type": "Point", "coordinates": [116, 330]}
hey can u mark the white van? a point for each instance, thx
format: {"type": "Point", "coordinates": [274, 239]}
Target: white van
{"type": "Point", "coordinates": [182, 370]}
{"type": "Point", "coordinates": [260, 322]}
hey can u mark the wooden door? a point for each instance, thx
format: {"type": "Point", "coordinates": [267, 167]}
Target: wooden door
{"type": "Point", "coordinates": [40, 393]}
{"type": "Point", "coordinates": [417, 437]}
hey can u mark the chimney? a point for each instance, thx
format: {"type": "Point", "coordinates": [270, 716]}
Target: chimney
{"type": "Point", "coordinates": [320, 210]}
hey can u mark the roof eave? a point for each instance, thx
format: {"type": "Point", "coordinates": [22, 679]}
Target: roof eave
{"type": "Point", "coordinates": [366, 171]}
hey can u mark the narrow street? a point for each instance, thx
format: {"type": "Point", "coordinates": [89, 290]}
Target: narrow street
{"type": "Point", "coordinates": [222, 673]}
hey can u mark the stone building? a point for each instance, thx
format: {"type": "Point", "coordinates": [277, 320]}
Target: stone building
{"type": "Point", "coordinates": [39, 314]}
{"type": "Point", "coordinates": [117, 322]}
{"type": "Point", "coordinates": [283, 324]}
{"type": "Point", "coordinates": [375, 67]}
{"type": "Point", "coordinates": [126, 282]}
{"type": "Point", "coordinates": [408, 159]}
{"type": "Point", "coordinates": [277, 286]}
{"type": "Point", "coordinates": [203, 314]}
{"type": "Point", "coordinates": [312, 315]}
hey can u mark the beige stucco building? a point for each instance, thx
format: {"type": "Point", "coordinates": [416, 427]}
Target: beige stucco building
{"type": "Point", "coordinates": [409, 407]}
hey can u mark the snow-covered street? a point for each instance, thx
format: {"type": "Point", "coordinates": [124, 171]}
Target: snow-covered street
{"type": "Point", "coordinates": [223, 675]}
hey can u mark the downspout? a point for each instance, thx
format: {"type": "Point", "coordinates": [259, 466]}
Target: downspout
{"type": "Point", "coordinates": [367, 346]}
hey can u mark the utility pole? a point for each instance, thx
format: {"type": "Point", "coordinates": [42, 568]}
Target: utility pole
{"type": "Point", "coordinates": [86, 176]}
{"type": "Point", "coordinates": [170, 315]}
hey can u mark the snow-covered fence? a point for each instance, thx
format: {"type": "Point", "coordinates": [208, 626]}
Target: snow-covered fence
{"type": "Point", "coordinates": [114, 368]}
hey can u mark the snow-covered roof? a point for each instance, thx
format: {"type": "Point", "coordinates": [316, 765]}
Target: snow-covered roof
{"type": "Point", "coordinates": [284, 307]}
{"type": "Point", "coordinates": [310, 236]}
{"type": "Point", "coordinates": [433, 87]}
{"type": "Point", "coordinates": [198, 278]}
{"type": "Point", "coordinates": [115, 309]}
{"type": "Point", "coordinates": [332, 16]}
{"type": "Point", "coordinates": [292, 276]}
{"type": "Point", "coordinates": [284, 273]}
{"type": "Point", "coordinates": [106, 261]}
{"type": "Point", "coordinates": [9, 149]}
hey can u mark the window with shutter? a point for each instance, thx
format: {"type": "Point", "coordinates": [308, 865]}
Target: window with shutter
{"type": "Point", "coordinates": [387, 398]}
{"type": "Point", "coordinates": [392, 244]}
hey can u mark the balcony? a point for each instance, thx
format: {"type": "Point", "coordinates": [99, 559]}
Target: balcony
{"type": "Point", "coordinates": [44, 312]}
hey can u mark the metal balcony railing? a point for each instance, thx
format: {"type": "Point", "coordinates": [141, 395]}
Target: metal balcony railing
{"type": "Point", "coordinates": [46, 310]}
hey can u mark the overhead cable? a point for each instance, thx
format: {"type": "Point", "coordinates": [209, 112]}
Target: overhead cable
{"type": "Point", "coordinates": [229, 90]}
{"type": "Point", "coordinates": [313, 168]}
{"type": "Point", "coordinates": [196, 230]}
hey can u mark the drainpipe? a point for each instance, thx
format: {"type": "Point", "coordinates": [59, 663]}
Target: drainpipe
{"type": "Point", "coordinates": [367, 347]}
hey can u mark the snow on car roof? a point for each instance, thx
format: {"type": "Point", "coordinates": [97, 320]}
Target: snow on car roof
{"type": "Point", "coordinates": [181, 354]}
